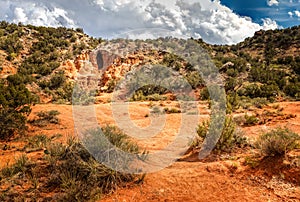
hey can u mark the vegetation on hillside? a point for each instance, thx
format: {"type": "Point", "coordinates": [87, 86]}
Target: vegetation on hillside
{"type": "Point", "coordinates": [264, 66]}
{"type": "Point", "coordinates": [37, 52]}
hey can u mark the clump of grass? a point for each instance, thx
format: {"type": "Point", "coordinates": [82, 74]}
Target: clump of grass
{"type": "Point", "coordinates": [79, 175]}
{"type": "Point", "coordinates": [228, 139]}
{"type": "Point", "coordinates": [71, 170]}
{"type": "Point", "coordinates": [277, 142]}
{"type": "Point", "coordinates": [252, 162]}
{"type": "Point", "coordinates": [45, 118]}
{"type": "Point", "coordinates": [20, 166]}
{"type": "Point", "coordinates": [260, 102]}
{"type": "Point", "coordinates": [250, 120]}
{"type": "Point", "coordinates": [38, 142]}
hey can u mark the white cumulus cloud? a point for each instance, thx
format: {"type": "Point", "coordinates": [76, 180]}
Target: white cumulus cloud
{"type": "Point", "coordinates": [210, 20]}
{"type": "Point", "coordinates": [269, 24]}
{"type": "Point", "coordinates": [35, 14]}
{"type": "Point", "coordinates": [272, 2]}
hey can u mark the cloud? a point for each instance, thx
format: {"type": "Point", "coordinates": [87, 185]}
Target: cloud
{"type": "Point", "coordinates": [272, 2]}
{"type": "Point", "coordinates": [36, 14]}
{"type": "Point", "coordinates": [270, 24]}
{"type": "Point", "coordinates": [210, 20]}
{"type": "Point", "coordinates": [296, 13]}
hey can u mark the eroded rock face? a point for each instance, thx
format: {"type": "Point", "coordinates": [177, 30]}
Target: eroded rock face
{"type": "Point", "coordinates": [103, 69]}
{"type": "Point", "coordinates": [113, 68]}
{"type": "Point", "coordinates": [118, 69]}
{"type": "Point", "coordinates": [70, 69]}
{"type": "Point", "coordinates": [73, 67]}
{"type": "Point", "coordinates": [81, 60]}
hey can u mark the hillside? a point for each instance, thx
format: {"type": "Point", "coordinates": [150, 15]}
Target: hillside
{"type": "Point", "coordinates": [36, 55]}
{"type": "Point", "coordinates": [264, 66]}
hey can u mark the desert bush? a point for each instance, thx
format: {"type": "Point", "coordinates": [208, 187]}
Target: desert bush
{"type": "Point", "coordinates": [20, 166]}
{"type": "Point", "coordinates": [45, 118]}
{"type": "Point", "coordinates": [250, 120]}
{"type": "Point", "coordinates": [228, 140]}
{"type": "Point", "coordinates": [81, 96]}
{"type": "Point", "coordinates": [277, 142]}
{"type": "Point", "coordinates": [139, 96]}
{"type": "Point", "coordinates": [194, 79]}
{"type": "Point", "coordinates": [155, 97]}
{"type": "Point", "coordinates": [172, 60]}
{"type": "Point", "coordinates": [259, 102]}
{"type": "Point", "coordinates": [111, 85]}
{"type": "Point", "coordinates": [15, 106]}
{"type": "Point", "coordinates": [63, 94]}
{"type": "Point", "coordinates": [38, 142]}
{"type": "Point", "coordinates": [57, 80]}
{"type": "Point", "coordinates": [79, 176]}
{"type": "Point", "coordinates": [292, 89]}
{"type": "Point", "coordinates": [172, 110]}
{"type": "Point", "coordinates": [233, 102]}
{"type": "Point", "coordinates": [204, 94]}
{"type": "Point", "coordinates": [11, 44]}
{"type": "Point", "coordinates": [70, 170]}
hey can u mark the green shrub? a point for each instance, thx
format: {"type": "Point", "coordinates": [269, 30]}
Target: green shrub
{"type": "Point", "coordinates": [172, 60]}
{"type": "Point", "coordinates": [194, 79]}
{"type": "Point", "coordinates": [57, 80]}
{"type": "Point", "coordinates": [79, 176]}
{"type": "Point", "coordinates": [277, 142]}
{"type": "Point", "coordinates": [259, 102]}
{"type": "Point", "coordinates": [250, 120]}
{"type": "Point", "coordinates": [20, 166]}
{"type": "Point", "coordinates": [228, 140]}
{"type": "Point", "coordinates": [204, 94]}
{"type": "Point", "coordinates": [15, 106]}
{"type": "Point", "coordinates": [292, 89]}
{"type": "Point", "coordinates": [37, 142]}
{"type": "Point", "coordinates": [172, 110]}
{"type": "Point", "coordinates": [155, 97]}
{"type": "Point", "coordinates": [45, 118]}
{"type": "Point", "coordinates": [70, 170]}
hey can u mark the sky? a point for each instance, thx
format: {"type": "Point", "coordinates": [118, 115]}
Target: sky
{"type": "Point", "coordinates": [216, 22]}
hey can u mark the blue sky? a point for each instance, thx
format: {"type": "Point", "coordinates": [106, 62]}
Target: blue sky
{"type": "Point", "coordinates": [215, 21]}
{"type": "Point", "coordinates": [259, 9]}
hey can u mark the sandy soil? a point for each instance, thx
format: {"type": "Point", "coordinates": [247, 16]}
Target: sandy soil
{"type": "Point", "coordinates": [226, 178]}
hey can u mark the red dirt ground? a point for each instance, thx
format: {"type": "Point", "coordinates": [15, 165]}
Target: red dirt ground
{"type": "Point", "coordinates": [227, 178]}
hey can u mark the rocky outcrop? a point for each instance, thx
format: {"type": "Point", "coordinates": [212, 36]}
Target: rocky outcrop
{"type": "Point", "coordinates": [118, 69]}
{"type": "Point", "coordinates": [103, 69]}
{"type": "Point", "coordinates": [73, 67]}
{"type": "Point", "coordinates": [70, 69]}
{"type": "Point", "coordinates": [113, 68]}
